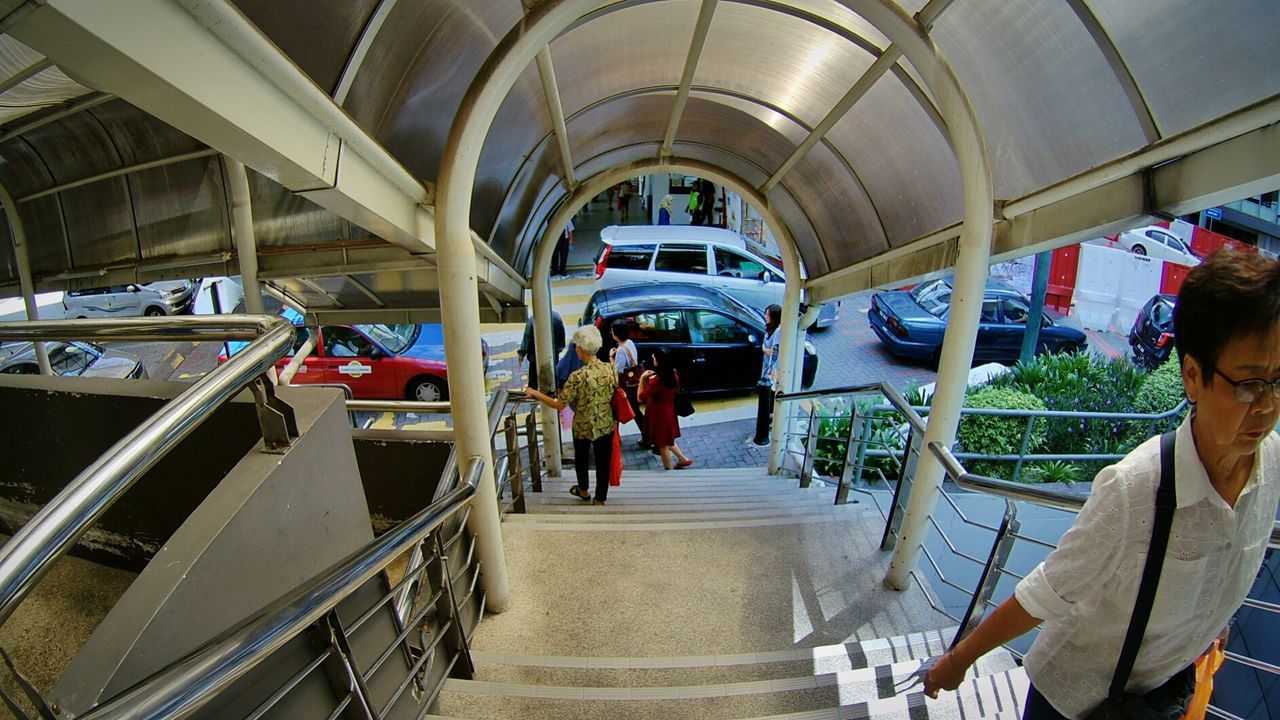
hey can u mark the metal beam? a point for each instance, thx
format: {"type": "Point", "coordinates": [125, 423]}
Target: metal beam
{"type": "Point", "coordinates": [367, 292]}
{"type": "Point", "coordinates": [315, 287]}
{"type": "Point", "coordinates": [1137, 101]}
{"type": "Point", "coordinates": [24, 75]}
{"type": "Point", "coordinates": [391, 316]}
{"type": "Point", "coordinates": [700, 30]}
{"type": "Point", "coordinates": [128, 170]}
{"type": "Point", "coordinates": [361, 50]}
{"type": "Point", "coordinates": [80, 105]}
{"type": "Point", "coordinates": [547, 72]}
{"type": "Point", "coordinates": [846, 103]}
{"type": "Point", "coordinates": [338, 261]}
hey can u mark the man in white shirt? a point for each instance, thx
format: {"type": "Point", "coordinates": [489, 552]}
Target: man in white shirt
{"type": "Point", "coordinates": [1227, 476]}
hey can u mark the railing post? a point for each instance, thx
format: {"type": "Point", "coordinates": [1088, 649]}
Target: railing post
{"type": "Point", "coordinates": [810, 446]}
{"type": "Point", "coordinates": [1000, 550]}
{"type": "Point", "coordinates": [535, 460]}
{"type": "Point", "coordinates": [511, 430]}
{"type": "Point", "coordinates": [842, 488]}
{"type": "Point", "coordinates": [1026, 440]}
{"type": "Point", "coordinates": [441, 573]}
{"type": "Point", "coordinates": [910, 460]}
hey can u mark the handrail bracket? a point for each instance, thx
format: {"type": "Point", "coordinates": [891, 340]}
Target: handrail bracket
{"type": "Point", "coordinates": [275, 416]}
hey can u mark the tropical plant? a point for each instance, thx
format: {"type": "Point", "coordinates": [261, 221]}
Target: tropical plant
{"type": "Point", "coordinates": [1160, 393]}
{"type": "Point", "coordinates": [1051, 472]}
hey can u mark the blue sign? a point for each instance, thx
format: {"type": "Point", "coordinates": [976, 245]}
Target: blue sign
{"type": "Point", "coordinates": [1214, 212]}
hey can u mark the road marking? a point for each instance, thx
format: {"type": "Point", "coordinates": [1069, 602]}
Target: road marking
{"type": "Point", "coordinates": [177, 360]}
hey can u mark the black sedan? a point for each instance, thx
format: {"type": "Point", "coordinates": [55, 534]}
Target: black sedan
{"type": "Point", "coordinates": [912, 323]}
{"type": "Point", "coordinates": [1152, 334]}
{"type": "Point", "coordinates": [714, 339]}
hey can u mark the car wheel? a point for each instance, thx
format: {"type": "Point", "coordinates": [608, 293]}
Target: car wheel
{"type": "Point", "coordinates": [1139, 250]}
{"type": "Point", "coordinates": [1067, 348]}
{"type": "Point", "coordinates": [428, 389]}
{"type": "Point", "coordinates": [154, 312]}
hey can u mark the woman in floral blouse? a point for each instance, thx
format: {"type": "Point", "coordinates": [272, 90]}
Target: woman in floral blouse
{"type": "Point", "coordinates": [589, 391]}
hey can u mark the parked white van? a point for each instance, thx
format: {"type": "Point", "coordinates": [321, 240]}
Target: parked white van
{"type": "Point", "coordinates": [709, 256]}
{"type": "Point", "coordinates": [173, 297]}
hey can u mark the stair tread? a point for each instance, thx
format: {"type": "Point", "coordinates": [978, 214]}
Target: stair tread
{"type": "Point", "coordinates": [674, 516]}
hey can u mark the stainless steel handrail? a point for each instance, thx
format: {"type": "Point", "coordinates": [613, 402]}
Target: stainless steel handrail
{"type": "Point", "coordinates": [63, 520]}
{"type": "Point", "coordinates": [899, 403]}
{"type": "Point", "coordinates": [399, 406]}
{"type": "Point", "coordinates": [187, 685]}
{"type": "Point", "coordinates": [1025, 493]}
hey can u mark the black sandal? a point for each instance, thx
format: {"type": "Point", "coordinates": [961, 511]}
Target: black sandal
{"type": "Point", "coordinates": [579, 493]}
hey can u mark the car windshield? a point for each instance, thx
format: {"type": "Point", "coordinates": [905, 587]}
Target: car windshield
{"type": "Point", "coordinates": [934, 296]}
{"type": "Point", "coordinates": [396, 338]}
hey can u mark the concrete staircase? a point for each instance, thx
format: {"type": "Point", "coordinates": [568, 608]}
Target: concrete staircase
{"type": "Point", "coordinates": [710, 593]}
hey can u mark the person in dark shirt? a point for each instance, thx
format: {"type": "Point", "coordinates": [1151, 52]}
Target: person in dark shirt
{"type": "Point", "coordinates": [529, 350]}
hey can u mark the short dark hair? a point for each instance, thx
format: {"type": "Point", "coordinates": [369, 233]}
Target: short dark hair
{"type": "Point", "coordinates": [620, 329]}
{"type": "Point", "coordinates": [1232, 294]}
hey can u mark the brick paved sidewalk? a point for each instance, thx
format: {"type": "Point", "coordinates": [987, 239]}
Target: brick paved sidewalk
{"type": "Point", "coordinates": [722, 445]}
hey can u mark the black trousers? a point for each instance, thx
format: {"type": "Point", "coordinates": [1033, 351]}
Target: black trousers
{"type": "Point", "coordinates": [1037, 708]}
{"type": "Point", "coordinates": [560, 258]}
{"type": "Point", "coordinates": [602, 449]}
{"type": "Point", "coordinates": [764, 414]}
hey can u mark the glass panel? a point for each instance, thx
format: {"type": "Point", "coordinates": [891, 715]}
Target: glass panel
{"type": "Point", "coordinates": [1015, 311]}
{"type": "Point", "coordinates": [658, 327]}
{"type": "Point", "coordinates": [1196, 60]}
{"type": "Point", "coordinates": [990, 313]}
{"type": "Point", "coordinates": [682, 259]}
{"type": "Point", "coordinates": [631, 257]}
{"type": "Point", "coordinates": [732, 264]}
{"type": "Point", "coordinates": [1048, 103]}
{"type": "Point", "coordinates": [340, 341]}
{"type": "Point", "coordinates": [711, 327]}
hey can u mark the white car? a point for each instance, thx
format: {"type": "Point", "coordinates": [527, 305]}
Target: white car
{"type": "Point", "coordinates": [152, 300]}
{"type": "Point", "coordinates": [710, 256]}
{"type": "Point", "coordinates": [1158, 243]}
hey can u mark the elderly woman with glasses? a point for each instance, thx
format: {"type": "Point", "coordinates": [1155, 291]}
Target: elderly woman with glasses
{"type": "Point", "coordinates": [1226, 477]}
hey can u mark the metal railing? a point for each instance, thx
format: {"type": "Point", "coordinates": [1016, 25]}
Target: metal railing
{"type": "Point", "coordinates": [63, 520]}
{"type": "Point", "coordinates": [196, 680]}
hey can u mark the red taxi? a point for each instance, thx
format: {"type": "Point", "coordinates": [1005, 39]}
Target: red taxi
{"type": "Point", "coordinates": [378, 362]}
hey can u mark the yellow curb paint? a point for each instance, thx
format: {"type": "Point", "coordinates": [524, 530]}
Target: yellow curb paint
{"type": "Point", "coordinates": [177, 360]}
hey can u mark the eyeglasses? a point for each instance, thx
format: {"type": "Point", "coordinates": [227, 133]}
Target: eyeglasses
{"type": "Point", "coordinates": [1250, 391]}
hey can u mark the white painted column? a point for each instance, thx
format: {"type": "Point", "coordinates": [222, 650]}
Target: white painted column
{"type": "Point", "coordinates": [543, 360]}
{"type": "Point", "coordinates": [243, 235]}
{"type": "Point", "coordinates": [24, 272]}
{"type": "Point", "coordinates": [787, 352]}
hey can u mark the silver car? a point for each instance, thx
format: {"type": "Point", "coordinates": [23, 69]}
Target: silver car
{"type": "Point", "coordinates": [71, 359]}
{"type": "Point", "coordinates": [152, 300]}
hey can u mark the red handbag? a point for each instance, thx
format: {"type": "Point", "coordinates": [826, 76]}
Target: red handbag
{"type": "Point", "coordinates": [622, 410]}
{"type": "Point", "coordinates": [615, 463]}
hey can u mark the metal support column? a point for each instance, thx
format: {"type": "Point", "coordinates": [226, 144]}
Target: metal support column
{"type": "Point", "coordinates": [243, 235]}
{"type": "Point", "coordinates": [543, 360]}
{"type": "Point", "coordinates": [24, 272]}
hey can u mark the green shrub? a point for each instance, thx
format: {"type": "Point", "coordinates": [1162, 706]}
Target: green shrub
{"type": "Point", "coordinates": [1161, 392]}
{"type": "Point", "coordinates": [1050, 472]}
{"type": "Point", "coordinates": [990, 435]}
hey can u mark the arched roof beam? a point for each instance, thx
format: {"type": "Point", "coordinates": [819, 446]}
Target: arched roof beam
{"type": "Point", "coordinates": [551, 89]}
{"type": "Point", "coordinates": [1141, 109]}
{"type": "Point", "coordinates": [886, 61]}
{"type": "Point", "coordinates": [361, 50]}
{"type": "Point", "coordinates": [710, 90]}
{"type": "Point", "coordinates": [699, 41]}
{"type": "Point", "coordinates": [547, 197]}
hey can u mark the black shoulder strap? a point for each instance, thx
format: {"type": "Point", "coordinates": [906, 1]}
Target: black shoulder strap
{"type": "Point", "coordinates": [1166, 502]}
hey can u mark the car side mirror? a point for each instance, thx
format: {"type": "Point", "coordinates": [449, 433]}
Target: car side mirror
{"type": "Point", "coordinates": [766, 276]}
{"type": "Point", "coordinates": [377, 354]}
{"type": "Point", "coordinates": [134, 289]}
{"type": "Point", "coordinates": [753, 339]}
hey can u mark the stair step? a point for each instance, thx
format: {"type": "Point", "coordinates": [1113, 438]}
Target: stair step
{"type": "Point", "coordinates": [603, 518]}
{"type": "Point", "coordinates": [882, 691]}
{"type": "Point", "coordinates": [707, 669]}
{"type": "Point", "coordinates": [623, 503]}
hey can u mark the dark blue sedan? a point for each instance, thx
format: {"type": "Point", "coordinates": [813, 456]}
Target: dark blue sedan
{"type": "Point", "coordinates": [911, 323]}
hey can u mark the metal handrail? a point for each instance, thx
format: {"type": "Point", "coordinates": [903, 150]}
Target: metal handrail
{"type": "Point", "coordinates": [190, 683]}
{"type": "Point", "coordinates": [888, 390]}
{"type": "Point", "coordinates": [63, 520]}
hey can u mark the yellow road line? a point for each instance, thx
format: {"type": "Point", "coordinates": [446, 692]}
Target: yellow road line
{"type": "Point", "coordinates": [177, 360]}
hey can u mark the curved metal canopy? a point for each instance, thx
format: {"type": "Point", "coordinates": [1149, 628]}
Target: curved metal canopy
{"type": "Point", "coordinates": [1079, 102]}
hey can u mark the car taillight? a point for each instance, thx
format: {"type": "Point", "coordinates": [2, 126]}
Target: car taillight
{"type": "Point", "coordinates": [1164, 338]}
{"type": "Point", "coordinates": [603, 261]}
{"type": "Point", "coordinates": [898, 328]}
{"type": "Point", "coordinates": [599, 322]}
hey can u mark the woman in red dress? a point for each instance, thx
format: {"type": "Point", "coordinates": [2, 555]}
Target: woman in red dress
{"type": "Point", "coordinates": [658, 385]}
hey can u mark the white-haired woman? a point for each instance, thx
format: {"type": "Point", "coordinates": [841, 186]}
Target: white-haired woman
{"type": "Point", "coordinates": [589, 391]}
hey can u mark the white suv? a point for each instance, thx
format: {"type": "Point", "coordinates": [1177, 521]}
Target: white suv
{"type": "Point", "coordinates": [151, 300]}
{"type": "Point", "coordinates": [710, 256]}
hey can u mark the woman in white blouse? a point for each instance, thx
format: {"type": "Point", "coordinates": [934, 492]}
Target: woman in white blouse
{"type": "Point", "coordinates": [1227, 476]}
